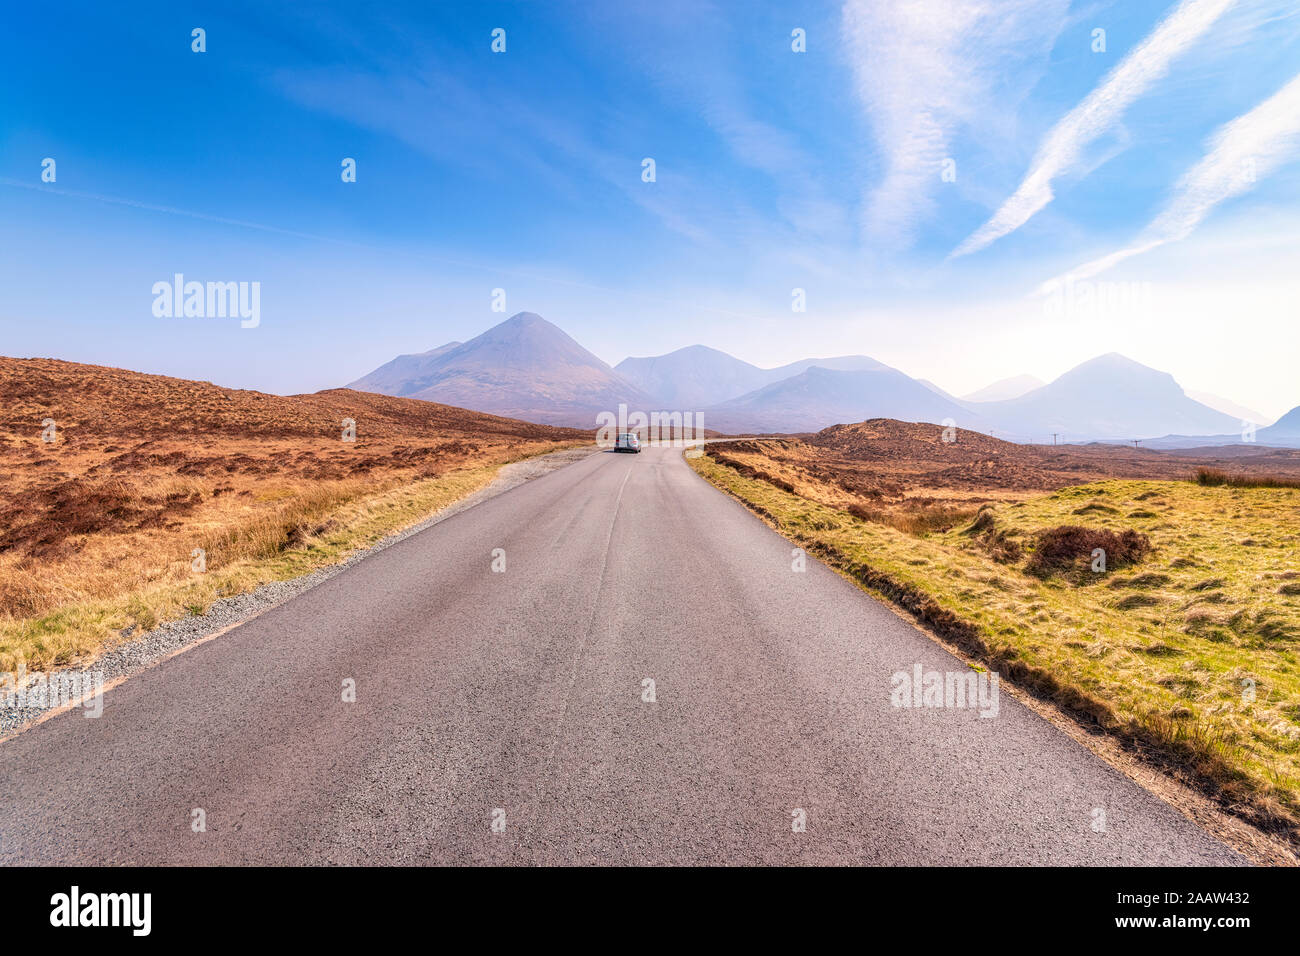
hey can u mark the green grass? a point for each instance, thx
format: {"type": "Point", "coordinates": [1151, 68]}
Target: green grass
{"type": "Point", "coordinates": [1161, 653]}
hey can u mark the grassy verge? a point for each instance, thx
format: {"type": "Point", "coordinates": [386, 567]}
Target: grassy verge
{"type": "Point", "coordinates": [1192, 653]}
{"type": "Point", "coordinates": [297, 529]}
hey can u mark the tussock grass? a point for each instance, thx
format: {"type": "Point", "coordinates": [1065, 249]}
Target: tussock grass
{"type": "Point", "coordinates": [1192, 654]}
{"type": "Point", "coordinates": [1214, 478]}
{"type": "Point", "coordinates": [1065, 547]}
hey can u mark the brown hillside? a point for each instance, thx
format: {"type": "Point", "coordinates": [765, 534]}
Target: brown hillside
{"type": "Point", "coordinates": [905, 474]}
{"type": "Point", "coordinates": [94, 401]}
{"type": "Point", "coordinates": [916, 455]}
{"type": "Point", "coordinates": [146, 468]}
{"type": "Point", "coordinates": [116, 423]}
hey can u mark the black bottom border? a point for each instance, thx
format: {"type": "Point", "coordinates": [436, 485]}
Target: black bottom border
{"type": "Point", "coordinates": [337, 904]}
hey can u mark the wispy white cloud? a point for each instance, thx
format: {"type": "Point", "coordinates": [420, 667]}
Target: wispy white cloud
{"type": "Point", "coordinates": [169, 210]}
{"type": "Point", "coordinates": [922, 71]}
{"type": "Point", "coordinates": [1240, 154]}
{"type": "Point", "coordinates": [1061, 149]}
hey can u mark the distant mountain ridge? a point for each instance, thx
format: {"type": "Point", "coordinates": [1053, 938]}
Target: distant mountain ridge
{"type": "Point", "coordinates": [405, 374]}
{"type": "Point", "coordinates": [819, 397]}
{"type": "Point", "coordinates": [698, 376]}
{"type": "Point", "coordinates": [1221, 404]}
{"type": "Point", "coordinates": [1005, 388]}
{"type": "Point", "coordinates": [528, 368]}
{"type": "Point", "coordinates": [692, 377]}
{"type": "Point", "coordinates": [1285, 433]}
{"type": "Point", "coordinates": [1288, 424]}
{"type": "Point", "coordinates": [1108, 397]}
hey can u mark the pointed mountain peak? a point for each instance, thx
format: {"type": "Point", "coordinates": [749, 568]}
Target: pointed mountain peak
{"type": "Point", "coordinates": [1114, 362]}
{"type": "Point", "coordinates": [526, 318]}
{"type": "Point", "coordinates": [519, 324]}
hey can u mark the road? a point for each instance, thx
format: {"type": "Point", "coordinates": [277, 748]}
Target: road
{"type": "Point", "coordinates": [517, 695]}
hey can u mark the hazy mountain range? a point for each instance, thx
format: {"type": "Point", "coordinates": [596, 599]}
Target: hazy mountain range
{"type": "Point", "coordinates": [819, 397]}
{"type": "Point", "coordinates": [1284, 432]}
{"type": "Point", "coordinates": [528, 368]}
{"type": "Point", "coordinates": [1229, 407]}
{"type": "Point", "coordinates": [698, 376]}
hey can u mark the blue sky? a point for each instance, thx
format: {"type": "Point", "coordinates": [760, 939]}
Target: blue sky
{"type": "Point", "coordinates": [1158, 177]}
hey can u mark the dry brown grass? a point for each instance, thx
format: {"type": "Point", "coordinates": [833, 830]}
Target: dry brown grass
{"type": "Point", "coordinates": [1215, 477]}
{"type": "Point", "coordinates": [917, 516]}
{"type": "Point", "coordinates": [98, 529]}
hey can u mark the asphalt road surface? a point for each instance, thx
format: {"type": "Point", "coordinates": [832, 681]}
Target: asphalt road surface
{"type": "Point", "coordinates": [516, 697]}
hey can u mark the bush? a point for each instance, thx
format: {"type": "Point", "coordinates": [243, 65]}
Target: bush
{"type": "Point", "coordinates": [1068, 547]}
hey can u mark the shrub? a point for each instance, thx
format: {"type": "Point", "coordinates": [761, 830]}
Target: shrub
{"type": "Point", "coordinates": [1067, 547]}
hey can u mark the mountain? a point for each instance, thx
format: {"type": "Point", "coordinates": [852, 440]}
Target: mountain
{"type": "Point", "coordinates": [525, 368]}
{"type": "Point", "coordinates": [1107, 398]}
{"type": "Point", "coordinates": [404, 374]}
{"type": "Point", "coordinates": [1221, 404]}
{"type": "Point", "coordinates": [1288, 425]}
{"type": "Point", "coordinates": [1283, 433]}
{"type": "Point", "coordinates": [692, 377]}
{"type": "Point", "coordinates": [940, 392]}
{"type": "Point", "coordinates": [840, 363]}
{"type": "Point", "coordinates": [698, 376]}
{"type": "Point", "coordinates": [820, 397]}
{"type": "Point", "coordinates": [1005, 388]}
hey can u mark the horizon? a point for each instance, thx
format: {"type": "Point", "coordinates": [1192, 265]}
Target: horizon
{"type": "Point", "coordinates": [1167, 193]}
{"type": "Point", "coordinates": [1192, 394]}
{"type": "Point", "coordinates": [613, 365]}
